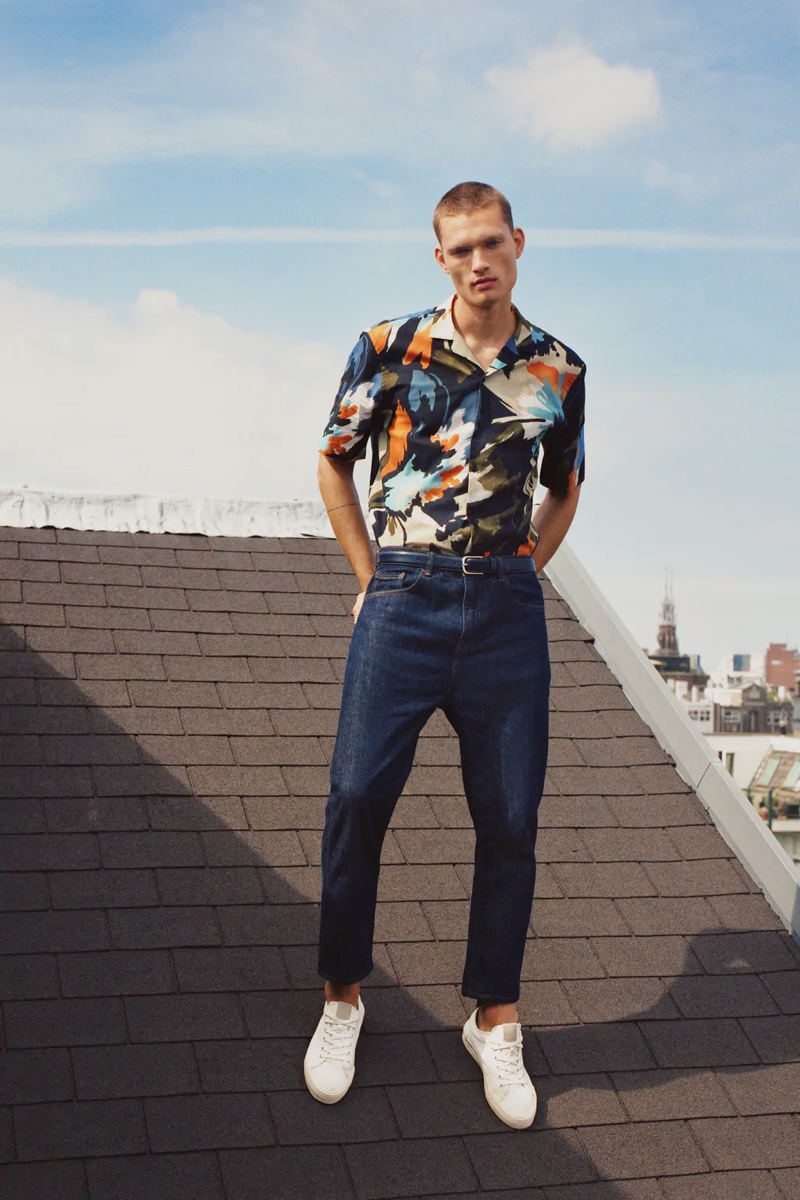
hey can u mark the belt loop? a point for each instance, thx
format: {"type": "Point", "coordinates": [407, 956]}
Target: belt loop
{"type": "Point", "coordinates": [429, 563]}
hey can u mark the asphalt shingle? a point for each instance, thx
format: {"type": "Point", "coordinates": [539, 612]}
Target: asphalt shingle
{"type": "Point", "coordinates": [167, 710]}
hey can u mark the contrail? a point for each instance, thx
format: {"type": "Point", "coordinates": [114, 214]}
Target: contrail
{"type": "Point", "coordinates": [557, 239]}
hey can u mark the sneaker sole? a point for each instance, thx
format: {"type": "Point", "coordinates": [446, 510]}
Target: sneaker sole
{"type": "Point", "coordinates": [324, 1097]}
{"type": "Point", "coordinates": [494, 1105]}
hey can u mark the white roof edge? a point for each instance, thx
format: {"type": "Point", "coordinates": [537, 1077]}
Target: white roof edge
{"type": "Point", "coordinates": [25, 508]}
{"type": "Point", "coordinates": [747, 835]}
{"type": "Point", "coordinates": [766, 861]}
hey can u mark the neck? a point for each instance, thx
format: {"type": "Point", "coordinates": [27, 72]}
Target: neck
{"type": "Point", "coordinates": [493, 324]}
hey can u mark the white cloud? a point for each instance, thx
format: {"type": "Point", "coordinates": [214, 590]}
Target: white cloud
{"type": "Point", "coordinates": [569, 97]}
{"type": "Point", "coordinates": [159, 399]}
{"type": "Point", "coordinates": [224, 235]}
{"type": "Point", "coordinates": [684, 184]}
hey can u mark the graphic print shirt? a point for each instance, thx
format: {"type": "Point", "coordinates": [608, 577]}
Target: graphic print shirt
{"type": "Point", "coordinates": [455, 448]}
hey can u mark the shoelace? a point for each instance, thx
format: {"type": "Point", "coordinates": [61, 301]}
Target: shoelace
{"type": "Point", "coordinates": [337, 1038]}
{"type": "Point", "coordinates": [508, 1061]}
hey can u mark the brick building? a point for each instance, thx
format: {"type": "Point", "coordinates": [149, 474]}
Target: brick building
{"type": "Point", "coordinates": [783, 667]}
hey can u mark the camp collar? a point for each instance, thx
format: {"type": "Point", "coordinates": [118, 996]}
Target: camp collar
{"type": "Point", "coordinates": [443, 328]}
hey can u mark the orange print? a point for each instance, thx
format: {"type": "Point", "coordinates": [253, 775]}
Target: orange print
{"type": "Point", "coordinates": [545, 373]}
{"type": "Point", "coordinates": [379, 336]}
{"type": "Point", "coordinates": [347, 410]}
{"type": "Point", "coordinates": [448, 443]}
{"type": "Point", "coordinates": [449, 479]}
{"type": "Point", "coordinates": [398, 439]}
{"type": "Point", "coordinates": [567, 382]}
{"type": "Point", "coordinates": [337, 444]}
{"type": "Point", "coordinates": [421, 347]}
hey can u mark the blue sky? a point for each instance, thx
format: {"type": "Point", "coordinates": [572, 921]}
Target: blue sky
{"type": "Point", "coordinates": [206, 362]}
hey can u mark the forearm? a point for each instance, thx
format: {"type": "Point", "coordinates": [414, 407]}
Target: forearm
{"type": "Point", "coordinates": [339, 495]}
{"type": "Point", "coordinates": [552, 520]}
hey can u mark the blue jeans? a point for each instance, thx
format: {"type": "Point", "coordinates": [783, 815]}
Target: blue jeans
{"type": "Point", "coordinates": [431, 636]}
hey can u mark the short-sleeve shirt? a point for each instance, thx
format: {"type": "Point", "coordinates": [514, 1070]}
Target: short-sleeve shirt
{"type": "Point", "coordinates": [456, 447]}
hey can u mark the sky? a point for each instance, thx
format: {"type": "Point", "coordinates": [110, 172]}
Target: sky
{"type": "Point", "coordinates": [203, 204]}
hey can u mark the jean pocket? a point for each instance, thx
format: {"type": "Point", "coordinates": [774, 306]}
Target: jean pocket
{"type": "Point", "coordinates": [390, 580]}
{"type": "Point", "coordinates": [524, 589]}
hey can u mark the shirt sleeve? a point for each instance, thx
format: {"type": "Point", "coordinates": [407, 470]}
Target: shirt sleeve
{"type": "Point", "coordinates": [354, 409]}
{"type": "Point", "coordinates": [563, 459]}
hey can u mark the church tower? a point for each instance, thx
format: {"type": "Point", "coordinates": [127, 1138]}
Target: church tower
{"type": "Point", "coordinates": [667, 658]}
{"type": "Point", "coordinates": [667, 634]}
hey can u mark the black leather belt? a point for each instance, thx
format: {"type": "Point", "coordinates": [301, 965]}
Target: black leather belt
{"type": "Point", "coordinates": [469, 564]}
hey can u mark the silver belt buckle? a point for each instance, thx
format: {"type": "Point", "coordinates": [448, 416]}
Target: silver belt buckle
{"type": "Point", "coordinates": [470, 558]}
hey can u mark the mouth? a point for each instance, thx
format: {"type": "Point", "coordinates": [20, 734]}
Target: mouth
{"type": "Point", "coordinates": [483, 285]}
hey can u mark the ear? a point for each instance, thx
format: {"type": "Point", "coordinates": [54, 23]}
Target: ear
{"type": "Point", "coordinates": [519, 240]}
{"type": "Point", "coordinates": [439, 256]}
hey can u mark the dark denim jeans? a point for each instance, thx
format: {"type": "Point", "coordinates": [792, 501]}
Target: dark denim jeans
{"type": "Point", "coordinates": [430, 636]}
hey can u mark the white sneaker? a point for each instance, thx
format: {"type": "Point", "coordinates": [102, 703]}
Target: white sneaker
{"type": "Point", "coordinates": [330, 1061]}
{"type": "Point", "coordinates": [507, 1085]}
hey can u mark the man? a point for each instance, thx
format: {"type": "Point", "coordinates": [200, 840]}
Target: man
{"type": "Point", "coordinates": [457, 401]}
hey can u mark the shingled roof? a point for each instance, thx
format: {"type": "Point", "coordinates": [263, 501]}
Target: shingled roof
{"type": "Point", "coordinates": [168, 706]}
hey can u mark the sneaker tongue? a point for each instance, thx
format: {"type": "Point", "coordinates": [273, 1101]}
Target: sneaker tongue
{"type": "Point", "coordinates": [504, 1033]}
{"type": "Point", "coordinates": [344, 1012]}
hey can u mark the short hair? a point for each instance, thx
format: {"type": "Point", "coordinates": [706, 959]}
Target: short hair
{"type": "Point", "coordinates": [466, 198]}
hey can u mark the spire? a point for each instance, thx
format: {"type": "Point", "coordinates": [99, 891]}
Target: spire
{"type": "Point", "coordinates": [667, 636]}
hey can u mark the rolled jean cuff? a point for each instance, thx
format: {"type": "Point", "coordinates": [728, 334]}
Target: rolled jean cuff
{"type": "Point", "coordinates": [345, 978]}
{"type": "Point", "coordinates": [484, 1000]}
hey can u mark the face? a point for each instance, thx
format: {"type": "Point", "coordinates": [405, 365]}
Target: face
{"type": "Point", "coordinates": [479, 252]}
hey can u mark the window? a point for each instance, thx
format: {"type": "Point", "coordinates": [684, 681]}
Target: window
{"type": "Point", "coordinates": [768, 772]}
{"type": "Point", "coordinates": [793, 778]}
